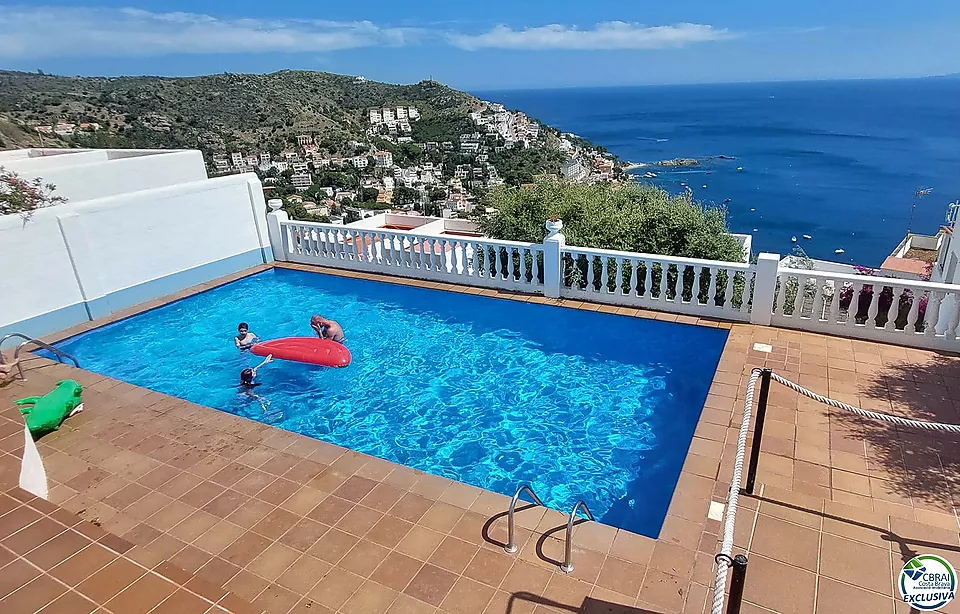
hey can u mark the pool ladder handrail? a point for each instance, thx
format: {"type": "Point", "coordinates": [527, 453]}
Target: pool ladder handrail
{"type": "Point", "coordinates": [511, 547]}
{"type": "Point", "coordinates": [60, 354]}
{"type": "Point", "coordinates": [567, 566]}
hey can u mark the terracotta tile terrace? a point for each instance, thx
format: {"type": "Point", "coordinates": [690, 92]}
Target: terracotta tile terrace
{"type": "Point", "coordinates": [159, 505]}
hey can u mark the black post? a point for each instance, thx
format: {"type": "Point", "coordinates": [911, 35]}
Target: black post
{"type": "Point", "coordinates": [758, 430]}
{"type": "Point", "coordinates": [736, 584]}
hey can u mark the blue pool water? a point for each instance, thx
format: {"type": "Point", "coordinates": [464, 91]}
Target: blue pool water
{"type": "Point", "coordinates": [486, 391]}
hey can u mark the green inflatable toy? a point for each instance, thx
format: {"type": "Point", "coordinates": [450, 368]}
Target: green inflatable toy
{"type": "Point", "coordinates": [47, 412]}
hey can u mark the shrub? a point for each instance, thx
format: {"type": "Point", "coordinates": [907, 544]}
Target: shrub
{"type": "Point", "coordinates": [632, 217]}
{"type": "Point", "coordinates": [884, 302]}
{"type": "Point", "coordinates": [24, 196]}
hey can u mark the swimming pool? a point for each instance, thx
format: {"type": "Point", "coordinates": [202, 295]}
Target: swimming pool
{"type": "Point", "coordinates": [486, 391]}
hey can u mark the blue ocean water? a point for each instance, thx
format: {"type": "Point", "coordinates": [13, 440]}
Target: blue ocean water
{"type": "Point", "coordinates": [837, 160]}
{"type": "Point", "coordinates": [485, 391]}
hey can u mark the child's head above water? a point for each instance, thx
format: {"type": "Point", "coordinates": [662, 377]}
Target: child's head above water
{"type": "Point", "coordinates": [246, 376]}
{"type": "Point", "coordinates": [242, 327]}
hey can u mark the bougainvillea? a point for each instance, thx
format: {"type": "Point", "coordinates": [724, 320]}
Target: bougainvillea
{"type": "Point", "coordinates": [24, 196]}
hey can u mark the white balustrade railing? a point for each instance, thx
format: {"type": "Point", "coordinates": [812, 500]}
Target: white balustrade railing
{"type": "Point", "coordinates": [456, 259]}
{"type": "Point", "coordinates": [906, 312]}
{"type": "Point", "coordinates": [680, 285]}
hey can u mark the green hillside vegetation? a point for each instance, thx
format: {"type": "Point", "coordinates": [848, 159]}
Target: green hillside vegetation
{"type": "Point", "coordinates": [244, 112]}
{"type": "Point", "coordinates": [632, 217]}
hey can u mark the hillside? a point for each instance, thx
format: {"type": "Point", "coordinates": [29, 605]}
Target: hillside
{"type": "Point", "coordinates": [16, 136]}
{"type": "Point", "coordinates": [219, 113]}
{"type": "Point", "coordinates": [326, 135]}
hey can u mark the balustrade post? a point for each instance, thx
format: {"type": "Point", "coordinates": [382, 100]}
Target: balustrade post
{"type": "Point", "coordinates": [275, 230]}
{"type": "Point", "coordinates": [764, 290]}
{"type": "Point", "coordinates": [553, 246]}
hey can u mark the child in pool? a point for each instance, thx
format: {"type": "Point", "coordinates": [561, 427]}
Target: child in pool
{"type": "Point", "coordinates": [244, 339]}
{"type": "Point", "coordinates": [247, 377]}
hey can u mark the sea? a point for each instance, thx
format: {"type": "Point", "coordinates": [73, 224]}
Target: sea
{"type": "Point", "coordinates": [840, 161]}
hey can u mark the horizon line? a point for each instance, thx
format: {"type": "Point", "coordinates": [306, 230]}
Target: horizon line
{"type": "Point", "coordinates": [40, 72]}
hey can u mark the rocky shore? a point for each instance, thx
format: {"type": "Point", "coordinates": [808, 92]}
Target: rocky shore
{"type": "Point", "coordinates": [679, 162]}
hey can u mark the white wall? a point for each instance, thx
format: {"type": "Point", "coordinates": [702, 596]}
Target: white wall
{"type": "Point", "coordinates": [37, 277]}
{"type": "Point", "coordinates": [157, 233]}
{"type": "Point", "coordinates": [88, 174]}
{"type": "Point", "coordinates": [32, 166]}
{"type": "Point", "coordinates": [20, 154]}
{"type": "Point", "coordinates": [90, 258]}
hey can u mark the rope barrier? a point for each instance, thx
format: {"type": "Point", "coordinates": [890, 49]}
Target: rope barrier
{"type": "Point", "coordinates": [724, 558]}
{"type": "Point", "coordinates": [873, 415]}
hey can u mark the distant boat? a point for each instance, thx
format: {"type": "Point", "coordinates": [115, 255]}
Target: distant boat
{"type": "Point", "coordinates": [807, 237]}
{"type": "Point", "coordinates": [704, 186]}
{"type": "Point", "coordinates": [739, 169]}
{"type": "Point", "coordinates": [838, 251]}
{"type": "Point", "coordinates": [753, 209]}
{"type": "Point", "coordinates": [793, 239]}
{"type": "Point", "coordinates": [756, 229]}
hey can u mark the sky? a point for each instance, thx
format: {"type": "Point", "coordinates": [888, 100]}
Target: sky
{"type": "Point", "coordinates": [492, 44]}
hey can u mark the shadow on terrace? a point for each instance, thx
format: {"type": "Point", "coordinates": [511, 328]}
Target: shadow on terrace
{"type": "Point", "coordinates": [521, 602]}
{"type": "Point", "coordinates": [908, 462]}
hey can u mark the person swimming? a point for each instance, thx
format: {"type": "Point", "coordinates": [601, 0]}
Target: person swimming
{"type": "Point", "coordinates": [248, 376]}
{"type": "Point", "coordinates": [327, 329]}
{"type": "Point", "coordinates": [247, 386]}
{"type": "Point", "coordinates": [244, 339]}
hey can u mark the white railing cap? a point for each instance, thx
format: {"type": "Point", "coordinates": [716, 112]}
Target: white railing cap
{"type": "Point", "coordinates": [869, 279]}
{"type": "Point", "coordinates": [413, 235]}
{"type": "Point", "coordinates": [609, 253]}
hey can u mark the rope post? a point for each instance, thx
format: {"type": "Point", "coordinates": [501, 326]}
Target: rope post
{"type": "Point", "coordinates": [758, 430]}
{"type": "Point", "coordinates": [736, 584]}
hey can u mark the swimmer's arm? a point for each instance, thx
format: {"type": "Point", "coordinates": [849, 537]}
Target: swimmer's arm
{"type": "Point", "coordinates": [266, 361]}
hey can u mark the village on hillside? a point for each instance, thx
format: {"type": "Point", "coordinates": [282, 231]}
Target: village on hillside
{"type": "Point", "coordinates": [390, 170]}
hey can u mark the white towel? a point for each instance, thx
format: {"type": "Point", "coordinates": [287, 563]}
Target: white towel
{"type": "Point", "coordinates": [33, 478]}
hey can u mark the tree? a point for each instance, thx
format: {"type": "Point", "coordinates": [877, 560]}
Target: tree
{"type": "Point", "coordinates": [336, 179]}
{"type": "Point", "coordinates": [405, 196]}
{"type": "Point", "coordinates": [350, 216]}
{"type": "Point", "coordinates": [24, 196]}
{"type": "Point", "coordinates": [368, 195]}
{"type": "Point", "coordinates": [633, 217]}
{"type": "Point", "coordinates": [438, 194]}
{"type": "Point", "coordinates": [433, 208]}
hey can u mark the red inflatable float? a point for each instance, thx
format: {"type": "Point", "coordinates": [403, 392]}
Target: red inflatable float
{"type": "Point", "coordinates": [311, 350]}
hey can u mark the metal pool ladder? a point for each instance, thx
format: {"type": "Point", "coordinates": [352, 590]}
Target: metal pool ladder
{"type": "Point", "coordinates": [511, 547]}
{"type": "Point", "coordinates": [60, 354]}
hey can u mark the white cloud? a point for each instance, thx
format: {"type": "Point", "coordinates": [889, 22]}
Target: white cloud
{"type": "Point", "coordinates": [607, 35]}
{"type": "Point", "coordinates": [42, 32]}
{"type": "Point", "coordinates": [38, 32]}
